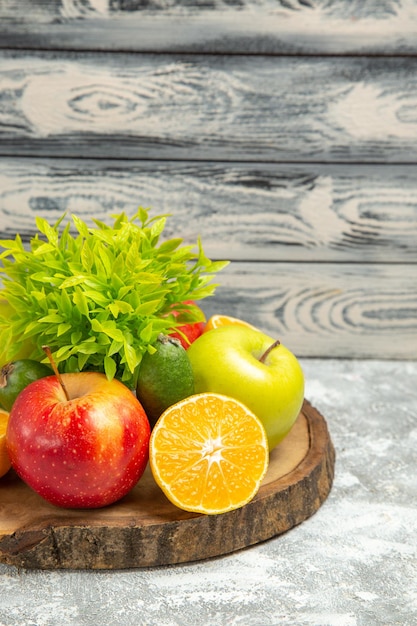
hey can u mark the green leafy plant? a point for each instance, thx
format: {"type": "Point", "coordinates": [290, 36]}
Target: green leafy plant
{"type": "Point", "coordinates": [99, 296]}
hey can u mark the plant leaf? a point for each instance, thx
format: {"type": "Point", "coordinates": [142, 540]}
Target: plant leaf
{"type": "Point", "coordinates": [100, 296]}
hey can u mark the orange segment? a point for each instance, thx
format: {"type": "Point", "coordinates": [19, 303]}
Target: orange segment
{"type": "Point", "coordinates": [223, 320]}
{"type": "Point", "coordinates": [4, 457]}
{"type": "Point", "coordinates": [209, 453]}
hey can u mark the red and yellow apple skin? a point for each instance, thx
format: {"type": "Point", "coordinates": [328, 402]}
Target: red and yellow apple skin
{"type": "Point", "coordinates": [188, 333]}
{"type": "Point", "coordinates": [227, 360]}
{"type": "Point", "coordinates": [85, 452]}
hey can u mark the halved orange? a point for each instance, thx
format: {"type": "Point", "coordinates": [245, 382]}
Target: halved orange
{"type": "Point", "coordinates": [223, 320]}
{"type": "Point", "coordinates": [209, 453]}
{"type": "Point", "coordinates": [5, 464]}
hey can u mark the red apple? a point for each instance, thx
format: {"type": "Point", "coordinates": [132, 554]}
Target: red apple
{"type": "Point", "coordinates": [82, 444]}
{"type": "Point", "coordinates": [188, 333]}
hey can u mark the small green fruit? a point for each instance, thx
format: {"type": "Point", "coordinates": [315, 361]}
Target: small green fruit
{"type": "Point", "coordinates": [17, 375]}
{"type": "Point", "coordinates": [165, 377]}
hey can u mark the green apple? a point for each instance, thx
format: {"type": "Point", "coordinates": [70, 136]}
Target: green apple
{"type": "Point", "coordinates": [248, 365]}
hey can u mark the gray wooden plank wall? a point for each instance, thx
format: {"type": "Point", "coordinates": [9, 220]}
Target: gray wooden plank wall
{"type": "Point", "coordinates": [213, 26]}
{"type": "Point", "coordinates": [283, 131]}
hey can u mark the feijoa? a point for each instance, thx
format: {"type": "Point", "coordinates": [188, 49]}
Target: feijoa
{"type": "Point", "coordinates": [165, 377]}
{"type": "Point", "coordinates": [17, 375]}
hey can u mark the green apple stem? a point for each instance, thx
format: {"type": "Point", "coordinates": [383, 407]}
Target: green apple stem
{"type": "Point", "coordinates": [268, 350]}
{"type": "Point", "coordinates": [48, 353]}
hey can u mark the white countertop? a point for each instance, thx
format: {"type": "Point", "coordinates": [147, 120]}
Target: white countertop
{"type": "Point", "coordinates": [354, 563]}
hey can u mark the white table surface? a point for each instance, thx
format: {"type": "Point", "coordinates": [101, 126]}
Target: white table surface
{"type": "Point", "coordinates": [354, 563]}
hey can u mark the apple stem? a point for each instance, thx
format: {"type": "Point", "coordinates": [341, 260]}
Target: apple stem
{"type": "Point", "coordinates": [48, 353]}
{"type": "Point", "coordinates": [268, 350]}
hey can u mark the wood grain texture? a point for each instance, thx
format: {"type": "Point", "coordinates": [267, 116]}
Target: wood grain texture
{"type": "Point", "coordinates": [245, 212]}
{"type": "Point", "coordinates": [208, 107]}
{"type": "Point", "coordinates": [238, 26]}
{"type": "Point", "coordinates": [301, 169]}
{"type": "Point", "coordinates": [332, 310]}
{"type": "Point", "coordinates": [144, 529]}
{"type": "Point", "coordinates": [350, 233]}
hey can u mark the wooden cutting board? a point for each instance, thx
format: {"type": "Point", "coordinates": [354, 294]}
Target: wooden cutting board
{"type": "Point", "coordinates": [144, 529]}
